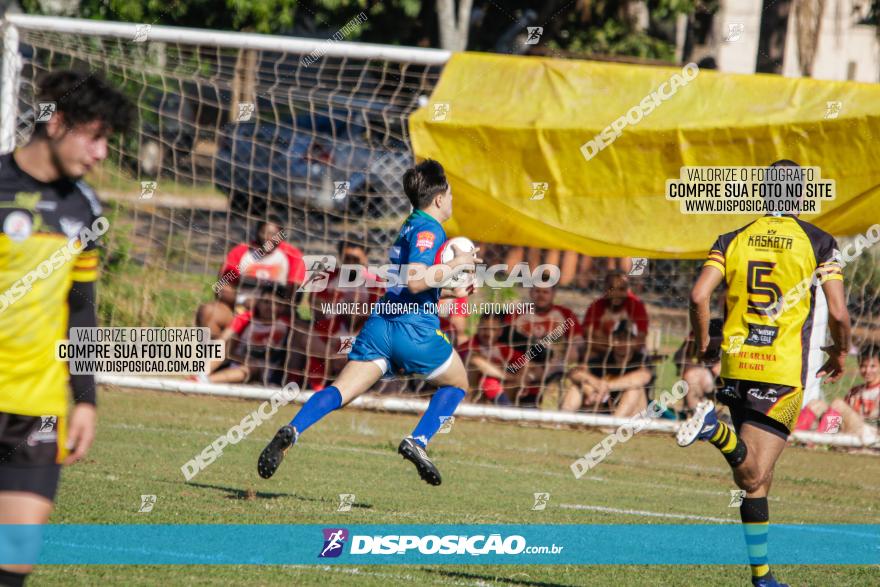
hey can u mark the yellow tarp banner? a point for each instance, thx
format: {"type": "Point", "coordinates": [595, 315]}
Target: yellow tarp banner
{"type": "Point", "coordinates": [503, 126]}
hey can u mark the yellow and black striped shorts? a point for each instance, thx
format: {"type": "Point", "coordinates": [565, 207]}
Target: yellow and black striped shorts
{"type": "Point", "coordinates": [780, 405]}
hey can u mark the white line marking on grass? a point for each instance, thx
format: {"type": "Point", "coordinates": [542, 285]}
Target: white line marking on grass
{"type": "Point", "coordinates": [363, 572]}
{"type": "Point", "coordinates": [607, 510]}
{"type": "Point", "coordinates": [625, 463]}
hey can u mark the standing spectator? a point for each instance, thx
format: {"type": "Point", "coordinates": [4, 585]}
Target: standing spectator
{"type": "Point", "coordinates": [266, 259]}
{"type": "Point", "coordinates": [620, 380]}
{"type": "Point", "coordinates": [606, 313]}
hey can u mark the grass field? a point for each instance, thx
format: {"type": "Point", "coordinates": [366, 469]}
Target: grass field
{"type": "Point", "coordinates": [490, 473]}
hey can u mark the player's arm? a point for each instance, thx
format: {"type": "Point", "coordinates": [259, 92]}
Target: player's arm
{"type": "Point", "coordinates": [81, 303]}
{"type": "Point", "coordinates": [839, 325]}
{"type": "Point", "coordinates": [701, 294]}
{"type": "Point", "coordinates": [419, 275]}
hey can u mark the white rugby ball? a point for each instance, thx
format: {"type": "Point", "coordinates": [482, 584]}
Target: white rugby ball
{"type": "Point", "coordinates": [461, 278]}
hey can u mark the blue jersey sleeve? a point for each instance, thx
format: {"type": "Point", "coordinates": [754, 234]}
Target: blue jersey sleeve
{"type": "Point", "coordinates": [424, 244]}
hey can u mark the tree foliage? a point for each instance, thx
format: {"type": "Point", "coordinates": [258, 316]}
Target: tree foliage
{"type": "Point", "coordinates": [585, 26]}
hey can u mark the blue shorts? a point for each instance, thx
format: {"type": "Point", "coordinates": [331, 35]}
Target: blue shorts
{"type": "Point", "coordinates": [402, 347]}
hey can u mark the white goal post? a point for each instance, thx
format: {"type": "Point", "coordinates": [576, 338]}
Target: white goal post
{"type": "Point", "coordinates": [348, 85]}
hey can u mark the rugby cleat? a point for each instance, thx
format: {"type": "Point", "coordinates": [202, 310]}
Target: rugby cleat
{"type": "Point", "coordinates": [767, 581]}
{"type": "Point", "coordinates": [701, 426]}
{"type": "Point", "coordinates": [414, 453]}
{"type": "Point", "coordinates": [274, 452]}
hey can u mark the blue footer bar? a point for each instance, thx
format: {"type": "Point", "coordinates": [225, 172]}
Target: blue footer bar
{"type": "Point", "coordinates": [221, 544]}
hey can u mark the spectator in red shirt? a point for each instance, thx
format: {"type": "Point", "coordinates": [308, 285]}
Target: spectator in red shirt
{"type": "Point", "coordinates": [487, 359]}
{"type": "Point", "coordinates": [606, 313]}
{"type": "Point", "coordinates": [266, 259]}
{"type": "Point", "coordinates": [255, 342]}
{"type": "Point", "coordinates": [549, 338]}
{"type": "Point", "coordinates": [319, 346]}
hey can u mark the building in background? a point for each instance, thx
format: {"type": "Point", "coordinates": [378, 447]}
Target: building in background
{"type": "Point", "coordinates": [824, 39]}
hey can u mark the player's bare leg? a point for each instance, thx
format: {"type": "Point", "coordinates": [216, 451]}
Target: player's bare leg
{"type": "Point", "coordinates": [356, 378]}
{"type": "Point", "coordinates": [752, 453]}
{"type": "Point", "coordinates": [19, 507]}
{"type": "Point", "coordinates": [756, 471]}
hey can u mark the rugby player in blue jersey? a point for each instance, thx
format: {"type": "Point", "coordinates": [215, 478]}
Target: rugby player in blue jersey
{"type": "Point", "coordinates": [402, 336]}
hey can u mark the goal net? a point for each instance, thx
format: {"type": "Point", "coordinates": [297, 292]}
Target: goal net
{"type": "Point", "coordinates": [236, 128]}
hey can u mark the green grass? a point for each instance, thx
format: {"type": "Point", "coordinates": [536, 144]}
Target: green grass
{"type": "Point", "coordinates": [134, 295]}
{"type": "Point", "coordinates": [109, 178]}
{"type": "Point", "coordinates": [490, 469]}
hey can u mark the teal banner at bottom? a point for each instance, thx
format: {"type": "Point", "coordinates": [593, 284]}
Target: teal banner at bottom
{"type": "Point", "coordinates": [222, 544]}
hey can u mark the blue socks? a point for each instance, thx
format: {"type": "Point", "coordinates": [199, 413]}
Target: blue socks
{"type": "Point", "coordinates": [319, 405]}
{"type": "Point", "coordinates": [442, 406]}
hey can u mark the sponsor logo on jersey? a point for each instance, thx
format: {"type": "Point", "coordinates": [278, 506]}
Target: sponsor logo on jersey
{"type": "Point", "coordinates": [768, 394]}
{"type": "Point", "coordinates": [425, 240]}
{"type": "Point", "coordinates": [761, 335]}
{"type": "Point", "coordinates": [18, 225]}
{"type": "Point", "coordinates": [729, 391]}
{"type": "Point", "coordinates": [770, 241]}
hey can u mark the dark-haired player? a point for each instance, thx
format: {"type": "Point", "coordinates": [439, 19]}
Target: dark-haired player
{"type": "Point", "coordinates": [401, 342]}
{"type": "Point", "coordinates": [764, 359]}
{"type": "Point", "coordinates": [44, 208]}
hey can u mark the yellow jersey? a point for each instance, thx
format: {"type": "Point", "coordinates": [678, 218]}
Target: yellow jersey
{"type": "Point", "coordinates": [40, 257]}
{"type": "Point", "coordinates": [772, 267]}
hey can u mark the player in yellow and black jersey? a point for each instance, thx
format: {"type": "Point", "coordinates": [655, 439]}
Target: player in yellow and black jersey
{"type": "Point", "coordinates": [772, 268]}
{"type": "Point", "coordinates": [49, 222]}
